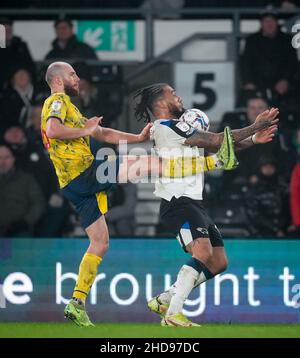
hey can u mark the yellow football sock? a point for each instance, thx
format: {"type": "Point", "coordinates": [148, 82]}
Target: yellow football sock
{"type": "Point", "coordinates": [87, 273]}
{"type": "Point", "coordinates": [211, 163]}
{"type": "Point", "coordinates": [181, 167]}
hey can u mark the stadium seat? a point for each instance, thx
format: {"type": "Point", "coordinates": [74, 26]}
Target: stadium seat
{"type": "Point", "coordinates": [230, 217]}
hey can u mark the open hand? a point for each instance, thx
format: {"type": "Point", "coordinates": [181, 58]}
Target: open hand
{"type": "Point", "coordinates": [266, 135]}
{"type": "Point", "coordinates": [92, 124]}
{"type": "Point", "coordinates": [266, 119]}
{"type": "Point", "coordinates": [145, 133]}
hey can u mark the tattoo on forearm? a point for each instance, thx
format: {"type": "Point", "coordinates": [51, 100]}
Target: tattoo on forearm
{"type": "Point", "coordinates": [207, 140]}
{"type": "Point", "coordinates": [241, 134]}
{"type": "Point", "coordinates": [212, 141]}
{"type": "Point", "coordinates": [244, 144]}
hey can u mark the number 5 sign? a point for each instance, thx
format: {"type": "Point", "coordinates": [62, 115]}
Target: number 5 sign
{"type": "Point", "coordinates": [207, 86]}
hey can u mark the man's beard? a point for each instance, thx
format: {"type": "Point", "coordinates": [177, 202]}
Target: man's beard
{"type": "Point", "coordinates": [71, 91]}
{"type": "Point", "coordinates": [176, 112]}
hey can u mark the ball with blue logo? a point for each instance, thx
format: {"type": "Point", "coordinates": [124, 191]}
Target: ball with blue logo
{"type": "Point", "coordinates": [196, 119]}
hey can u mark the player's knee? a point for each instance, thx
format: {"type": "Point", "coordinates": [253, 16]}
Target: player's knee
{"type": "Point", "coordinates": [100, 244]}
{"type": "Point", "coordinates": [104, 246]}
{"type": "Point", "coordinates": [203, 254]}
{"type": "Point", "coordinates": [101, 248]}
{"type": "Point", "coordinates": [225, 264]}
{"type": "Point", "coordinates": [222, 265]}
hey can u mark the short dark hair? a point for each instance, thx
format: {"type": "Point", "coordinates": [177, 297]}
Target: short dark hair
{"type": "Point", "coordinates": [269, 13]}
{"type": "Point", "coordinates": [267, 159]}
{"type": "Point", "coordinates": [148, 96]}
{"type": "Point", "coordinates": [256, 97]}
{"type": "Point", "coordinates": [67, 21]}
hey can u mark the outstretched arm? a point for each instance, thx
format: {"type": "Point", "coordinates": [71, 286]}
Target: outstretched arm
{"type": "Point", "coordinates": [260, 137]}
{"type": "Point", "coordinates": [56, 130]}
{"type": "Point", "coordinates": [113, 136]}
{"type": "Point", "coordinates": [212, 141]}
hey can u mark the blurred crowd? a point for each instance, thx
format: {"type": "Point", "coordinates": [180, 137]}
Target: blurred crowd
{"type": "Point", "coordinates": [31, 202]}
{"type": "Point", "coordinates": [260, 198]}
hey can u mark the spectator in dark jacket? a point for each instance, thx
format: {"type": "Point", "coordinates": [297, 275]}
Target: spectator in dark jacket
{"type": "Point", "coordinates": [269, 60]}
{"type": "Point", "coordinates": [16, 54]}
{"type": "Point", "coordinates": [67, 46]}
{"type": "Point", "coordinates": [32, 158]}
{"type": "Point", "coordinates": [267, 202]}
{"type": "Point", "coordinates": [22, 202]}
{"type": "Point", "coordinates": [16, 100]}
{"type": "Point", "coordinates": [248, 159]}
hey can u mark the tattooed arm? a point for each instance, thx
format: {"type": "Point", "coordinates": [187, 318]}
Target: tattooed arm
{"type": "Point", "coordinates": [260, 137]}
{"type": "Point", "coordinates": [212, 141]}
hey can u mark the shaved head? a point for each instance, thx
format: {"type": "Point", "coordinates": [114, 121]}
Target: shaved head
{"type": "Point", "coordinates": [61, 77]}
{"type": "Point", "coordinates": [56, 69]}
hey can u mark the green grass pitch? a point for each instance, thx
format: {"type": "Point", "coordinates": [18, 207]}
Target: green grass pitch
{"type": "Point", "coordinates": [133, 330]}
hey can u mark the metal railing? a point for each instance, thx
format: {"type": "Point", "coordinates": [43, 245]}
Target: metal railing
{"type": "Point", "coordinates": [168, 53]}
{"type": "Point", "coordinates": [149, 15]}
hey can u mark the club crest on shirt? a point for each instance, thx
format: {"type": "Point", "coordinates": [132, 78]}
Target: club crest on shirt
{"type": "Point", "coordinates": [56, 105]}
{"type": "Point", "coordinates": [184, 127]}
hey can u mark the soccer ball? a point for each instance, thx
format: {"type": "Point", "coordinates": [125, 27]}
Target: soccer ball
{"type": "Point", "coordinates": [196, 119]}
